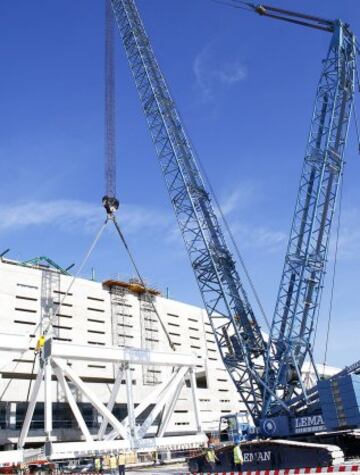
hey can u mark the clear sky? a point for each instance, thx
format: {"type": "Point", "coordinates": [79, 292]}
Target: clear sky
{"type": "Point", "coordinates": [244, 86]}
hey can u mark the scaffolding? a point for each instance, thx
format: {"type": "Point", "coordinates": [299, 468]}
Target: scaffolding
{"type": "Point", "coordinates": [149, 336]}
{"type": "Point", "coordinates": [118, 315]}
{"type": "Point", "coordinates": [50, 283]}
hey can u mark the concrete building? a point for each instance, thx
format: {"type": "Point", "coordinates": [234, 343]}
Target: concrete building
{"type": "Point", "coordinates": [108, 313]}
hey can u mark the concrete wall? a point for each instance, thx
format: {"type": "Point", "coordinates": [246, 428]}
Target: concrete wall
{"type": "Point", "coordinates": [30, 295]}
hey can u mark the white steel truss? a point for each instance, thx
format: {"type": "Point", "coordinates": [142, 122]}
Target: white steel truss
{"type": "Point", "coordinates": [55, 363]}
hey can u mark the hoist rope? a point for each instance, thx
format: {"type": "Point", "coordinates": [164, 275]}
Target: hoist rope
{"type": "Point", "coordinates": [332, 292]}
{"type": "Point", "coordinates": [317, 319]}
{"type": "Point", "coordinates": [242, 262]}
{"type": "Point", "coordinates": [227, 226]}
{"type": "Point", "coordinates": [31, 338]}
{"type": "Point", "coordinates": [357, 127]}
{"type": "Point", "coordinates": [75, 277]}
{"type": "Point", "coordinates": [235, 4]}
{"type": "Point", "coordinates": [140, 278]}
{"type": "Point", "coordinates": [236, 247]}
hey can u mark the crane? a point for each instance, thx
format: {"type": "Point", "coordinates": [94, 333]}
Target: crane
{"type": "Point", "coordinates": [305, 262]}
{"type": "Point", "coordinates": [237, 332]}
{"type": "Point", "coordinates": [266, 372]}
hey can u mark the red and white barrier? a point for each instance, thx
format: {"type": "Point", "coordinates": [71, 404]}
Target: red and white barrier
{"type": "Point", "coordinates": [285, 471]}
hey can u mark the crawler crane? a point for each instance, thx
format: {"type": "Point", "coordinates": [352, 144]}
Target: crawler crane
{"type": "Point", "coordinates": [320, 424]}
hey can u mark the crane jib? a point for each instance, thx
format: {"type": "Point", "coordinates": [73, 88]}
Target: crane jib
{"type": "Point", "coordinates": [304, 269]}
{"type": "Point", "coordinates": [235, 327]}
{"type": "Point", "coordinates": [266, 374]}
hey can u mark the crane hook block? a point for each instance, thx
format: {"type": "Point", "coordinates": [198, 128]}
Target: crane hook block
{"type": "Point", "coordinates": [110, 203]}
{"type": "Point", "coordinates": [260, 9]}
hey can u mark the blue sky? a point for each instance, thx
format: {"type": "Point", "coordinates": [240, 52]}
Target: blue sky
{"type": "Point", "coordinates": [244, 86]}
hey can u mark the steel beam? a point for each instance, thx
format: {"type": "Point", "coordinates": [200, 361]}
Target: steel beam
{"type": "Point", "coordinates": [151, 398]}
{"type": "Point", "coordinates": [48, 399]}
{"type": "Point", "coordinates": [115, 354]}
{"type": "Point", "coordinates": [195, 399]}
{"type": "Point", "coordinates": [168, 411]}
{"type": "Point", "coordinates": [163, 399]}
{"type": "Point", "coordinates": [130, 404]}
{"type": "Point", "coordinates": [14, 342]}
{"type": "Point", "coordinates": [73, 405]}
{"type": "Point", "coordinates": [102, 409]}
{"type": "Point", "coordinates": [112, 400]}
{"type": "Point", "coordinates": [68, 450]}
{"type": "Point", "coordinates": [30, 410]}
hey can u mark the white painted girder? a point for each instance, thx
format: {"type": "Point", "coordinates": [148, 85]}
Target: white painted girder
{"type": "Point", "coordinates": [113, 354]}
{"type": "Point", "coordinates": [14, 342]}
{"type": "Point", "coordinates": [73, 405]}
{"type": "Point", "coordinates": [54, 360]}
{"type": "Point", "coordinates": [95, 401]}
{"type": "Point", "coordinates": [112, 400]}
{"type": "Point", "coordinates": [84, 449]}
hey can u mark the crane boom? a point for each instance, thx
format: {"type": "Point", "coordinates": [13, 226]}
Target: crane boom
{"type": "Point", "coordinates": [305, 262]}
{"type": "Point", "coordinates": [267, 375]}
{"type": "Point", "coordinates": [236, 330]}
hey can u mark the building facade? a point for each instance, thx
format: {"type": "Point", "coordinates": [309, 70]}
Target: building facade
{"type": "Point", "coordinates": [99, 314]}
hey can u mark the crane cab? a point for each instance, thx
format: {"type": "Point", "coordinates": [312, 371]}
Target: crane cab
{"type": "Point", "coordinates": [234, 428]}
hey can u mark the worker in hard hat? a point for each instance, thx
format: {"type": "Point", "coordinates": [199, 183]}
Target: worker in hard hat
{"type": "Point", "coordinates": [113, 465]}
{"type": "Point", "coordinates": [238, 457]}
{"type": "Point", "coordinates": [98, 465]}
{"type": "Point", "coordinates": [210, 456]}
{"type": "Point", "coordinates": [121, 463]}
{"type": "Point", "coordinates": [40, 343]}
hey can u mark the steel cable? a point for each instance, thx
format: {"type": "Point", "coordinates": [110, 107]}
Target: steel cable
{"type": "Point", "coordinates": [139, 276]}
{"type": "Point", "coordinates": [235, 4]}
{"type": "Point", "coordinates": [227, 226]}
{"type": "Point", "coordinates": [333, 279]}
{"type": "Point", "coordinates": [87, 255]}
{"type": "Point", "coordinates": [86, 258]}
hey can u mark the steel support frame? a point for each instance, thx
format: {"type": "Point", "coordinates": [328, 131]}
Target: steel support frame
{"type": "Point", "coordinates": [237, 333]}
{"type": "Point", "coordinates": [304, 269]}
{"type": "Point", "coordinates": [125, 434]}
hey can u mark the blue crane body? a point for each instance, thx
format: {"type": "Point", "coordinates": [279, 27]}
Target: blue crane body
{"type": "Point", "coordinates": [266, 372]}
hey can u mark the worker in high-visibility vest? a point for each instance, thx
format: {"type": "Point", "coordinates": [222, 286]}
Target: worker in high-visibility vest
{"type": "Point", "coordinates": [121, 463]}
{"type": "Point", "coordinates": [210, 456]}
{"type": "Point", "coordinates": [40, 343]}
{"type": "Point", "coordinates": [97, 465]}
{"type": "Point", "coordinates": [238, 457]}
{"type": "Point", "coordinates": [113, 464]}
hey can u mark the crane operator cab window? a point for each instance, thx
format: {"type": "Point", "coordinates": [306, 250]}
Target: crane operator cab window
{"type": "Point", "coordinates": [235, 427]}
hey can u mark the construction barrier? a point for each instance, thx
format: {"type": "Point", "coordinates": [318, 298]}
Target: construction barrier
{"type": "Point", "coordinates": [285, 471]}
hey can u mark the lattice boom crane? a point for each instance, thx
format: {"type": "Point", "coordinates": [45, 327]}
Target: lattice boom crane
{"type": "Point", "coordinates": [237, 332]}
{"type": "Point", "coordinates": [267, 374]}
{"type": "Point", "coordinates": [305, 262]}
